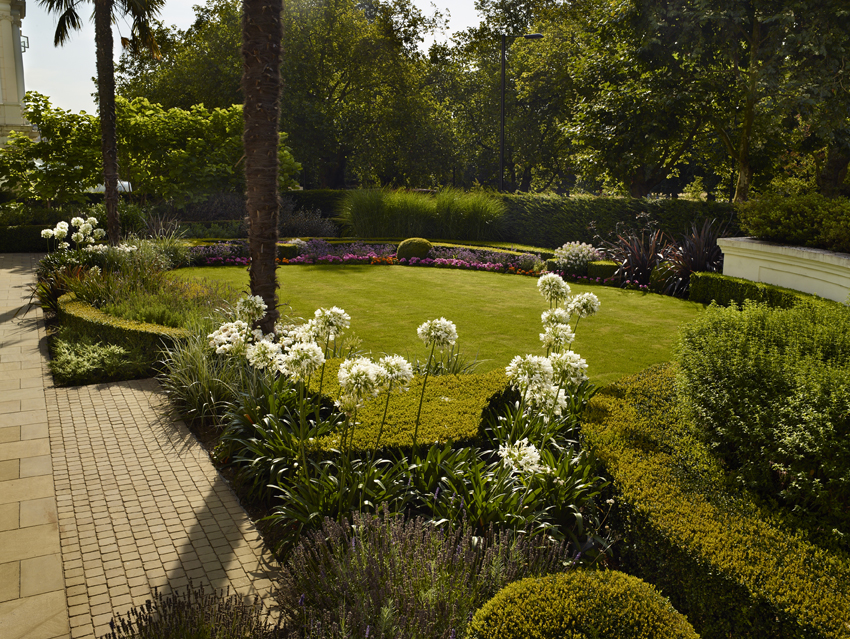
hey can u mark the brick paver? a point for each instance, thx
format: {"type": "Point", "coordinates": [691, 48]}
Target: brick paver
{"type": "Point", "coordinates": [125, 492]}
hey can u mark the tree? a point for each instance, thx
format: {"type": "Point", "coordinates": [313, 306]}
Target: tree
{"type": "Point", "coordinates": [63, 163]}
{"type": "Point", "coordinates": [261, 55]}
{"type": "Point", "coordinates": [141, 12]}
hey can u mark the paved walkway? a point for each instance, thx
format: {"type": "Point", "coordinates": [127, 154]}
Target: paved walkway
{"type": "Point", "coordinates": [102, 497]}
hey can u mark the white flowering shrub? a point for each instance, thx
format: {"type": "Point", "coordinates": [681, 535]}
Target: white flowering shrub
{"type": "Point", "coordinates": [231, 338]}
{"type": "Point", "coordinates": [87, 233]}
{"type": "Point", "coordinates": [522, 458]}
{"type": "Point", "coordinates": [251, 308]}
{"type": "Point", "coordinates": [573, 257]}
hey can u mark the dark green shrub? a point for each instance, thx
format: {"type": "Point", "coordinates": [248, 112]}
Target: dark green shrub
{"type": "Point", "coordinates": [771, 390]}
{"type": "Point", "coordinates": [662, 272]}
{"type": "Point", "coordinates": [580, 604]}
{"type": "Point", "coordinates": [287, 251]}
{"type": "Point", "coordinates": [551, 220]}
{"type": "Point", "coordinates": [722, 562]}
{"type": "Point", "coordinates": [602, 269]}
{"type": "Point", "coordinates": [804, 220]}
{"type": "Point", "coordinates": [413, 247]}
{"type": "Point", "coordinates": [23, 239]}
{"type": "Point", "coordinates": [195, 614]}
{"type": "Point", "coordinates": [324, 201]}
{"type": "Point", "coordinates": [725, 291]}
{"type": "Point", "coordinates": [386, 577]}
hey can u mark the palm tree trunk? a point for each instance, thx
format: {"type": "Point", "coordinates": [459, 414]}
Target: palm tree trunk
{"type": "Point", "coordinates": [261, 57]}
{"type": "Point", "coordinates": [106, 100]}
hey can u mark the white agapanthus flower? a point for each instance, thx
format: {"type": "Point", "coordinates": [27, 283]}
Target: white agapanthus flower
{"type": "Point", "coordinates": [99, 234]}
{"type": "Point", "coordinates": [64, 246]}
{"type": "Point", "coordinates": [557, 336]}
{"type": "Point", "coordinates": [62, 226]}
{"type": "Point", "coordinates": [251, 308]}
{"type": "Point", "coordinates": [397, 372]}
{"type": "Point", "coordinates": [77, 221]}
{"type": "Point", "coordinates": [86, 228]}
{"type": "Point", "coordinates": [553, 288]}
{"type": "Point", "coordinates": [301, 361]}
{"type": "Point", "coordinates": [330, 322]}
{"type": "Point", "coordinates": [47, 234]}
{"type": "Point", "coordinates": [263, 354]}
{"type": "Point", "coordinates": [529, 371]}
{"type": "Point", "coordinates": [583, 305]}
{"type": "Point", "coordinates": [92, 221]}
{"type": "Point", "coordinates": [555, 316]}
{"type": "Point", "coordinates": [77, 237]}
{"type": "Point", "coordinates": [522, 458]}
{"type": "Point", "coordinates": [360, 377]}
{"type": "Point", "coordinates": [440, 332]}
{"type": "Point", "coordinates": [231, 338]}
{"type": "Point", "coordinates": [548, 398]}
{"type": "Point", "coordinates": [568, 369]}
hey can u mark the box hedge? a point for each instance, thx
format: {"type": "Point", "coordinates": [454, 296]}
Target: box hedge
{"type": "Point", "coordinates": [23, 239]}
{"type": "Point", "coordinates": [811, 220]}
{"type": "Point", "coordinates": [580, 604]}
{"type": "Point", "coordinates": [550, 221]}
{"type": "Point", "coordinates": [725, 291]}
{"type": "Point", "coordinates": [86, 320]}
{"type": "Point", "coordinates": [724, 563]}
{"type": "Point", "coordinates": [451, 411]}
{"type": "Point", "coordinates": [602, 269]}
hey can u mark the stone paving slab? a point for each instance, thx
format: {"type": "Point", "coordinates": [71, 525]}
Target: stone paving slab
{"type": "Point", "coordinates": [102, 496]}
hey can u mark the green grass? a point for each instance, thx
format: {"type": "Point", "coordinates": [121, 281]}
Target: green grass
{"type": "Point", "coordinates": [497, 316]}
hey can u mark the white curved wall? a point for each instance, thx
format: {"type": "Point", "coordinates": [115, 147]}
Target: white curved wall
{"type": "Point", "coordinates": [815, 271]}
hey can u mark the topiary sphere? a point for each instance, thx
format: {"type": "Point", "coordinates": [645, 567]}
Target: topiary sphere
{"type": "Point", "coordinates": [413, 247]}
{"type": "Point", "coordinates": [581, 604]}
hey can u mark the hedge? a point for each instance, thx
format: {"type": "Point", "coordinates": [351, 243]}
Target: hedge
{"type": "Point", "coordinates": [725, 290]}
{"type": "Point", "coordinates": [723, 563]}
{"type": "Point", "coordinates": [580, 604]}
{"type": "Point", "coordinates": [89, 321]}
{"type": "Point", "coordinates": [803, 220]}
{"type": "Point", "coordinates": [602, 269]}
{"type": "Point", "coordinates": [326, 201]}
{"type": "Point", "coordinates": [551, 221]}
{"type": "Point", "coordinates": [23, 239]}
{"type": "Point", "coordinates": [452, 410]}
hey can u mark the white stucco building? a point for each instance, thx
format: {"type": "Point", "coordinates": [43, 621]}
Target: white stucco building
{"type": "Point", "coordinates": [11, 68]}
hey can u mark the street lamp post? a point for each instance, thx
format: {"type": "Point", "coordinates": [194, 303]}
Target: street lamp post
{"type": "Point", "coordinates": [527, 36]}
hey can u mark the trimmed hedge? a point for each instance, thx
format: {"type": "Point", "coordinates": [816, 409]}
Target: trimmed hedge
{"type": "Point", "coordinates": [581, 604]}
{"type": "Point", "coordinates": [452, 410]}
{"type": "Point", "coordinates": [731, 570]}
{"type": "Point", "coordinates": [602, 269]}
{"type": "Point", "coordinates": [413, 247]}
{"type": "Point", "coordinates": [23, 239]}
{"type": "Point", "coordinates": [550, 221]}
{"type": "Point", "coordinates": [714, 287]}
{"type": "Point", "coordinates": [802, 220]}
{"type": "Point", "coordinates": [89, 321]}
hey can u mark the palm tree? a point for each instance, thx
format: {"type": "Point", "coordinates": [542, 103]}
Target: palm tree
{"type": "Point", "coordinates": [261, 57]}
{"type": "Point", "coordinates": [141, 37]}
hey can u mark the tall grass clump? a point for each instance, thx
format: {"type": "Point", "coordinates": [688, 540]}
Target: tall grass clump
{"type": "Point", "coordinates": [386, 576]}
{"type": "Point", "coordinates": [451, 214]}
{"type": "Point", "coordinates": [363, 214]}
{"type": "Point", "coordinates": [475, 215]}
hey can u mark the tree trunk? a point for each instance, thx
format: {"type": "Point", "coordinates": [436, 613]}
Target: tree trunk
{"type": "Point", "coordinates": [106, 103]}
{"type": "Point", "coordinates": [261, 57]}
{"type": "Point", "coordinates": [834, 171]}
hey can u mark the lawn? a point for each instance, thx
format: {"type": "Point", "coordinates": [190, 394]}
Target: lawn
{"type": "Point", "coordinates": [497, 316]}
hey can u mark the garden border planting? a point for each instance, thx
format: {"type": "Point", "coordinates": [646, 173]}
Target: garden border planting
{"type": "Point", "coordinates": [725, 565]}
{"type": "Point", "coordinates": [89, 320]}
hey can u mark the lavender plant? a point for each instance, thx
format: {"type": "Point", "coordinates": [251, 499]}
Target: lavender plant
{"type": "Point", "coordinates": [385, 576]}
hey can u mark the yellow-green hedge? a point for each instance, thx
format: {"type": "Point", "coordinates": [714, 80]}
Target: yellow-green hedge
{"type": "Point", "coordinates": [582, 604]}
{"type": "Point", "coordinates": [726, 290]}
{"type": "Point", "coordinates": [87, 320]}
{"type": "Point", "coordinates": [451, 411]}
{"type": "Point", "coordinates": [602, 269]}
{"type": "Point", "coordinates": [722, 562]}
